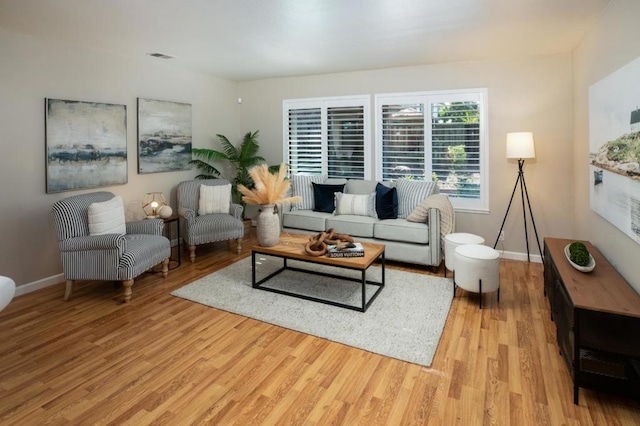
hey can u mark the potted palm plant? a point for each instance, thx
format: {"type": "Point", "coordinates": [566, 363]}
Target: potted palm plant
{"type": "Point", "coordinates": [242, 158]}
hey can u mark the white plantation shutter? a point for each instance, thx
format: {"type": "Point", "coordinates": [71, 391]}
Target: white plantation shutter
{"type": "Point", "coordinates": [403, 148]}
{"type": "Point", "coordinates": [305, 141]}
{"type": "Point", "coordinates": [328, 136]}
{"type": "Point", "coordinates": [435, 136]}
{"type": "Point", "coordinates": [455, 145]}
{"type": "Point", "coordinates": [345, 139]}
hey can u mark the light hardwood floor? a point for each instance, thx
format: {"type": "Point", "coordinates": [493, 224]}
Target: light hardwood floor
{"type": "Point", "coordinates": [165, 360]}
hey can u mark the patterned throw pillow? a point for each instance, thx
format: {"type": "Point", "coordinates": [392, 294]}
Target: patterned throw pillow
{"type": "Point", "coordinates": [411, 193]}
{"type": "Point", "coordinates": [107, 217]}
{"type": "Point", "coordinates": [356, 204]}
{"type": "Point", "coordinates": [214, 199]}
{"type": "Point", "coordinates": [302, 186]}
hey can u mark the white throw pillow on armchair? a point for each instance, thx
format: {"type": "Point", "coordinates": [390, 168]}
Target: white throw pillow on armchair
{"type": "Point", "coordinates": [214, 199]}
{"type": "Point", "coordinates": [107, 217]}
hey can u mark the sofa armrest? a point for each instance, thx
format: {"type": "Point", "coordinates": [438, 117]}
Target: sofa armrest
{"type": "Point", "coordinates": [186, 213]}
{"type": "Point", "coordinates": [435, 239]}
{"type": "Point", "coordinates": [94, 242]}
{"type": "Point", "coordinates": [236, 210]}
{"type": "Point", "coordinates": [282, 208]}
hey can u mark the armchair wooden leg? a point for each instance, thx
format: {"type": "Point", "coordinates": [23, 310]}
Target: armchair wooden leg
{"type": "Point", "coordinates": [68, 290]}
{"type": "Point", "coordinates": [165, 267]}
{"type": "Point", "coordinates": [192, 253]}
{"type": "Point", "coordinates": [127, 290]}
{"type": "Point", "coordinates": [239, 247]}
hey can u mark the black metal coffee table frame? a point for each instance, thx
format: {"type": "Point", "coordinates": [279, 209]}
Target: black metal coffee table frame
{"type": "Point", "coordinates": [363, 280]}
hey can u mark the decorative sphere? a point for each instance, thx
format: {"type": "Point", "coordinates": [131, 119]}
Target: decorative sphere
{"type": "Point", "coordinates": [165, 212]}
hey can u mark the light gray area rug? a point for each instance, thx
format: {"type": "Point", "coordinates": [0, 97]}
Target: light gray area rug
{"type": "Point", "coordinates": [404, 322]}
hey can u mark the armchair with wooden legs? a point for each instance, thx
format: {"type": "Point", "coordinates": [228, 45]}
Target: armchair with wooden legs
{"type": "Point", "coordinates": [207, 227]}
{"type": "Point", "coordinates": [106, 257]}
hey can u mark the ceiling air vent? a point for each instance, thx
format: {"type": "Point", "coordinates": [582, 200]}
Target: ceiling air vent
{"type": "Point", "coordinates": [160, 55]}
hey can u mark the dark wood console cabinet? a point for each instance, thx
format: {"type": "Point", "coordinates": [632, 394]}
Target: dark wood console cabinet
{"type": "Point", "coordinates": [597, 316]}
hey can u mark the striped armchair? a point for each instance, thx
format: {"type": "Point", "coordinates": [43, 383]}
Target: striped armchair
{"type": "Point", "coordinates": [208, 228]}
{"type": "Point", "coordinates": [108, 257]}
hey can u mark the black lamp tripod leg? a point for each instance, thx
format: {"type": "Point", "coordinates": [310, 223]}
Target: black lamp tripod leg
{"type": "Point", "coordinates": [535, 230]}
{"type": "Point", "coordinates": [524, 212]}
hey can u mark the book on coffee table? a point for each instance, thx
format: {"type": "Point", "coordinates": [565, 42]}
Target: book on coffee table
{"type": "Point", "coordinates": [356, 251]}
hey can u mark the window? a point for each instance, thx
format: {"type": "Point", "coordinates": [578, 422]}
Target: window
{"type": "Point", "coordinates": [328, 136]}
{"type": "Point", "coordinates": [438, 136]}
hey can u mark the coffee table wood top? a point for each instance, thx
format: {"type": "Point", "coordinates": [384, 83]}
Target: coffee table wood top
{"type": "Point", "coordinates": [291, 246]}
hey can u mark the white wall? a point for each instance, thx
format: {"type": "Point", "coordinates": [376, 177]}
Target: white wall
{"type": "Point", "coordinates": [32, 70]}
{"type": "Point", "coordinates": [524, 94]}
{"type": "Point", "coordinates": [613, 42]}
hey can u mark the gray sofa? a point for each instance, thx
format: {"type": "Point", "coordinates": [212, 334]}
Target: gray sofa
{"type": "Point", "coordinates": [411, 242]}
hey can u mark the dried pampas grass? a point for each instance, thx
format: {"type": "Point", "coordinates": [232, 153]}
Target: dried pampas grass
{"type": "Point", "coordinates": [270, 188]}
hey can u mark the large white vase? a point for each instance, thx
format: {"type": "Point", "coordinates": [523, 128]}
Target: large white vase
{"type": "Point", "coordinates": [268, 225]}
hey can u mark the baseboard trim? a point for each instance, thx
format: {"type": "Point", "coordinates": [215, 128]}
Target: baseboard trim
{"type": "Point", "coordinates": [55, 279]}
{"type": "Point", "coordinates": [40, 284]}
{"type": "Point", "coordinates": [513, 255]}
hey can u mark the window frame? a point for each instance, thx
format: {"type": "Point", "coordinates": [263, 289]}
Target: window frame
{"type": "Point", "coordinates": [427, 98]}
{"type": "Point", "coordinates": [324, 103]}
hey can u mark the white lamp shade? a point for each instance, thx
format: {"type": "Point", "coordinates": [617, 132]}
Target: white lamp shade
{"type": "Point", "coordinates": [520, 145]}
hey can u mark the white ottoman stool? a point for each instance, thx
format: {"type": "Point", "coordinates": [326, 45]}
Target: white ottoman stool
{"type": "Point", "coordinates": [7, 291]}
{"type": "Point", "coordinates": [477, 269]}
{"type": "Point", "coordinates": [451, 241]}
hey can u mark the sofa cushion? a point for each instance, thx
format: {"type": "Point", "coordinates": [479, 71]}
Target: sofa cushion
{"type": "Point", "coordinates": [401, 230]}
{"type": "Point", "coordinates": [356, 226]}
{"type": "Point", "coordinates": [386, 202]}
{"type": "Point", "coordinates": [302, 186]}
{"type": "Point", "coordinates": [324, 197]}
{"type": "Point", "coordinates": [305, 219]}
{"type": "Point", "coordinates": [356, 204]}
{"type": "Point", "coordinates": [411, 193]}
{"type": "Point", "coordinates": [360, 186]}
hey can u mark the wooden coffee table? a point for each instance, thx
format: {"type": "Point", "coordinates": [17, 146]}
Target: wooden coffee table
{"type": "Point", "coordinates": [292, 247]}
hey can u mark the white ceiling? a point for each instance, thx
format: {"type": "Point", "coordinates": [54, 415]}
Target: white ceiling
{"type": "Point", "coordinates": [254, 39]}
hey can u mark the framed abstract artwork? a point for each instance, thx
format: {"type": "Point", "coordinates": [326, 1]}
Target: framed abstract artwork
{"type": "Point", "coordinates": [85, 144]}
{"type": "Point", "coordinates": [164, 136]}
{"type": "Point", "coordinates": [614, 148]}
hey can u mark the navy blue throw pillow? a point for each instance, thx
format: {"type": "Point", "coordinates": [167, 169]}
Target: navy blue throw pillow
{"type": "Point", "coordinates": [324, 200]}
{"type": "Point", "coordinates": [386, 202]}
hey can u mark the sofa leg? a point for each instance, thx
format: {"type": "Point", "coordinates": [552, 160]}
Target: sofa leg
{"type": "Point", "coordinates": [192, 253]}
{"type": "Point", "coordinates": [68, 290]}
{"type": "Point", "coordinates": [127, 284]}
{"type": "Point", "coordinates": [165, 267]}
{"type": "Point", "coordinates": [239, 246]}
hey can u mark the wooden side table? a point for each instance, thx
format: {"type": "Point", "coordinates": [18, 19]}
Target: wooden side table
{"type": "Point", "coordinates": [174, 218]}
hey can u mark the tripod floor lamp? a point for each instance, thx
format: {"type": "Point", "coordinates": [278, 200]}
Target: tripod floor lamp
{"type": "Point", "coordinates": [520, 146]}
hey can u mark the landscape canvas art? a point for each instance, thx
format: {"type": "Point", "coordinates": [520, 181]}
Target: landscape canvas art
{"type": "Point", "coordinates": [86, 145]}
{"type": "Point", "coordinates": [614, 148]}
{"type": "Point", "coordinates": [164, 136]}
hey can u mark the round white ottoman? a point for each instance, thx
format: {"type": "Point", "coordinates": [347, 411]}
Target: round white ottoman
{"type": "Point", "coordinates": [7, 291]}
{"type": "Point", "coordinates": [451, 241]}
{"type": "Point", "coordinates": [477, 269]}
